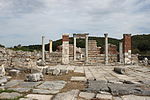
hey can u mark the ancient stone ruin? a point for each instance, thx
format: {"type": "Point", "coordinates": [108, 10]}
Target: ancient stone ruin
{"type": "Point", "coordinates": [74, 73]}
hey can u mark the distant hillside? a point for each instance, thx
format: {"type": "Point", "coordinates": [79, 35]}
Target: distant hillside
{"type": "Point", "coordinates": [140, 44]}
{"type": "Point", "coordinates": [2, 45]}
{"type": "Point", "coordinates": [81, 42]}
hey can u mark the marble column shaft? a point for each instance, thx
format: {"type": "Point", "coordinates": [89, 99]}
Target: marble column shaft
{"type": "Point", "coordinates": [43, 49]}
{"type": "Point", "coordinates": [106, 48]}
{"type": "Point", "coordinates": [86, 48]}
{"type": "Point", "coordinates": [74, 51]}
{"type": "Point", "coordinates": [50, 46]}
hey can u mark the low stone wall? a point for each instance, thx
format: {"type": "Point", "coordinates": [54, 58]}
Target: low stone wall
{"type": "Point", "coordinates": [12, 58]}
{"type": "Point", "coordinates": [100, 58]}
{"type": "Point", "coordinates": [54, 57]}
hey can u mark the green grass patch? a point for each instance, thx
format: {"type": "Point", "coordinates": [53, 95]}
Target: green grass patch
{"type": "Point", "coordinates": [8, 91]}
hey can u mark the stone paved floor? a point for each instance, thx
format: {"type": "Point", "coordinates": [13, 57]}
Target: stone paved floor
{"type": "Point", "coordinates": [51, 90]}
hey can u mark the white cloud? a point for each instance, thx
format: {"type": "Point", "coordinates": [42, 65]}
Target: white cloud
{"type": "Point", "coordinates": [24, 21]}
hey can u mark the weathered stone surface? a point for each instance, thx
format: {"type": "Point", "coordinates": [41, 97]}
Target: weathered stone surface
{"type": "Point", "coordinates": [65, 49]}
{"type": "Point", "coordinates": [117, 98]}
{"type": "Point", "coordinates": [104, 97]}
{"type": "Point", "coordinates": [3, 80]}
{"type": "Point", "coordinates": [34, 77]}
{"type": "Point", "coordinates": [70, 95]}
{"type": "Point", "coordinates": [79, 70]}
{"type": "Point", "coordinates": [49, 71]}
{"type": "Point", "coordinates": [21, 90]}
{"type": "Point", "coordinates": [133, 97]}
{"type": "Point", "coordinates": [25, 99]}
{"type": "Point", "coordinates": [12, 83]}
{"type": "Point", "coordinates": [39, 97]}
{"type": "Point", "coordinates": [97, 86]}
{"type": "Point", "coordinates": [145, 92]}
{"type": "Point", "coordinates": [29, 84]}
{"type": "Point", "coordinates": [2, 71]}
{"type": "Point", "coordinates": [63, 71]}
{"type": "Point", "coordinates": [12, 95]}
{"type": "Point", "coordinates": [2, 88]}
{"type": "Point", "coordinates": [87, 95]}
{"type": "Point", "coordinates": [56, 72]}
{"type": "Point", "coordinates": [78, 79]}
{"type": "Point", "coordinates": [52, 85]}
{"type": "Point", "coordinates": [123, 89]}
{"type": "Point", "coordinates": [43, 91]}
{"type": "Point", "coordinates": [40, 63]}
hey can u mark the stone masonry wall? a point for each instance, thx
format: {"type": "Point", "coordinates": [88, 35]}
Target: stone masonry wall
{"type": "Point", "coordinates": [127, 48]}
{"type": "Point", "coordinates": [65, 49]}
{"type": "Point", "coordinates": [12, 58]}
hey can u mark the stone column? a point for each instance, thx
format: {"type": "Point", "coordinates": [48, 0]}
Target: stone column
{"type": "Point", "coordinates": [74, 46]}
{"type": "Point", "coordinates": [127, 48]}
{"type": "Point", "coordinates": [86, 48]}
{"type": "Point", "coordinates": [106, 48]}
{"type": "Point", "coordinates": [43, 49]}
{"type": "Point", "coordinates": [50, 46]}
{"type": "Point", "coordinates": [121, 52]}
{"type": "Point", "coordinates": [65, 49]}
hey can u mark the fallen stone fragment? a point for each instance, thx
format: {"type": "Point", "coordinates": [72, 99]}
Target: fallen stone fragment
{"type": "Point", "coordinates": [43, 91]}
{"type": "Point", "coordinates": [104, 96]}
{"type": "Point", "coordinates": [78, 79]}
{"type": "Point", "coordinates": [34, 77]}
{"type": "Point", "coordinates": [48, 71]}
{"type": "Point", "coordinates": [2, 71]}
{"type": "Point", "coordinates": [120, 70]}
{"type": "Point", "coordinates": [56, 72]}
{"type": "Point", "coordinates": [12, 95]}
{"type": "Point", "coordinates": [87, 95]}
{"type": "Point", "coordinates": [3, 80]}
{"type": "Point", "coordinates": [70, 95]}
{"type": "Point", "coordinates": [39, 97]}
{"type": "Point", "coordinates": [14, 72]}
{"type": "Point", "coordinates": [40, 63]}
{"type": "Point", "coordinates": [63, 71]}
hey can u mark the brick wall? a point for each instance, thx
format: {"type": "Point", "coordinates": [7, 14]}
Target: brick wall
{"type": "Point", "coordinates": [127, 48]}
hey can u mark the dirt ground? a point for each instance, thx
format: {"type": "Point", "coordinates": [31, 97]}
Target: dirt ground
{"type": "Point", "coordinates": [69, 86]}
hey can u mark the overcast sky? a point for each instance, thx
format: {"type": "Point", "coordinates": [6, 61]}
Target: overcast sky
{"type": "Point", "coordinates": [25, 21]}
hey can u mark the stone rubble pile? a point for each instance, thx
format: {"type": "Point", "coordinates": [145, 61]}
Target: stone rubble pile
{"type": "Point", "coordinates": [12, 58]}
{"type": "Point", "coordinates": [35, 77]}
{"type": "Point", "coordinates": [55, 71]}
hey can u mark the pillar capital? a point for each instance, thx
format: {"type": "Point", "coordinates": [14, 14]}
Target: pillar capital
{"type": "Point", "coordinates": [43, 36]}
{"type": "Point", "coordinates": [65, 37]}
{"type": "Point", "coordinates": [105, 34]}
